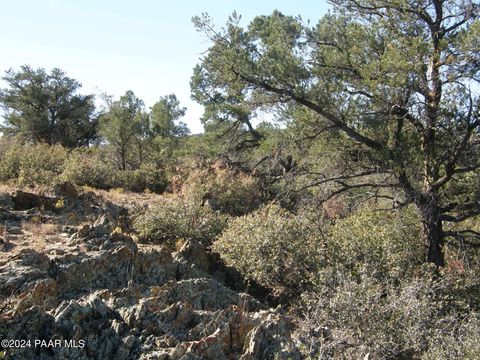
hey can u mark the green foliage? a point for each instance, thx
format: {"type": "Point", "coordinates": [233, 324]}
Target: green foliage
{"type": "Point", "coordinates": [164, 115]}
{"type": "Point", "coordinates": [10, 159]}
{"type": "Point", "coordinates": [89, 167]}
{"type": "Point", "coordinates": [147, 177]}
{"type": "Point", "coordinates": [277, 249]}
{"type": "Point", "coordinates": [175, 219]}
{"type": "Point", "coordinates": [393, 77]}
{"type": "Point", "coordinates": [41, 164]}
{"type": "Point", "coordinates": [124, 126]}
{"type": "Point", "coordinates": [377, 243]}
{"type": "Point", "coordinates": [203, 145]}
{"type": "Point", "coordinates": [374, 293]}
{"type": "Point", "coordinates": [44, 107]}
{"type": "Point", "coordinates": [138, 137]}
{"type": "Point", "coordinates": [38, 164]}
{"type": "Point", "coordinates": [459, 341]}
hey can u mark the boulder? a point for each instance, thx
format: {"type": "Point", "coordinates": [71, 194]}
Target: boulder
{"type": "Point", "coordinates": [26, 201]}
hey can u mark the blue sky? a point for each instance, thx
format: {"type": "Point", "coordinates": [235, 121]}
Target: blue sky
{"type": "Point", "coordinates": [111, 46]}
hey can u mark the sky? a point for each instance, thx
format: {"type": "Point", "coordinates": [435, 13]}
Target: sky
{"type": "Point", "coordinates": [111, 46]}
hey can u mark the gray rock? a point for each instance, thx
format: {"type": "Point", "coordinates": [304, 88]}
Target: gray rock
{"type": "Point", "coordinates": [129, 301]}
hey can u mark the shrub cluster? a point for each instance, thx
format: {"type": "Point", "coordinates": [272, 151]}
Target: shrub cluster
{"type": "Point", "coordinates": [90, 167]}
{"type": "Point", "coordinates": [365, 291]}
{"type": "Point", "coordinates": [290, 252]}
{"type": "Point", "coordinates": [275, 248]}
{"type": "Point", "coordinates": [377, 243]}
{"type": "Point", "coordinates": [43, 164]}
{"type": "Point", "coordinates": [235, 192]}
{"type": "Point", "coordinates": [427, 316]}
{"type": "Point", "coordinates": [374, 297]}
{"type": "Point", "coordinates": [176, 219]}
{"type": "Point", "coordinates": [32, 164]}
{"type": "Point", "coordinates": [147, 177]}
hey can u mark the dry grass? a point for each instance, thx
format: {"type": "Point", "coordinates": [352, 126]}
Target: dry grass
{"type": "Point", "coordinates": [36, 236]}
{"type": "Point", "coordinates": [8, 188]}
{"type": "Point", "coordinates": [71, 218]}
{"type": "Point", "coordinates": [11, 187]}
{"type": "Point", "coordinates": [36, 228]}
{"type": "Point", "coordinates": [126, 198]}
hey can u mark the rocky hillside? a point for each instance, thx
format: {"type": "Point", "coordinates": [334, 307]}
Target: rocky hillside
{"type": "Point", "coordinates": [74, 284]}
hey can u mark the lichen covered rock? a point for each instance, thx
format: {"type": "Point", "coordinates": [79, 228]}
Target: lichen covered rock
{"type": "Point", "coordinates": [106, 297]}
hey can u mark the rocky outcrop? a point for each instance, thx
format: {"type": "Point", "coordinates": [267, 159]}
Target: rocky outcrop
{"type": "Point", "coordinates": [97, 294]}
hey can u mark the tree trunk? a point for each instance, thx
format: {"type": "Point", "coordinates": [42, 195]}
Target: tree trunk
{"type": "Point", "coordinates": [433, 236]}
{"type": "Point", "coordinates": [432, 232]}
{"type": "Point", "coordinates": [123, 159]}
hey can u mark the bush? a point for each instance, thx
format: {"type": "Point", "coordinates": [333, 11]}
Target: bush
{"type": "Point", "coordinates": [41, 164]}
{"type": "Point", "coordinates": [32, 164]}
{"type": "Point", "coordinates": [277, 249]}
{"type": "Point", "coordinates": [419, 317]}
{"type": "Point", "coordinates": [89, 167]}
{"type": "Point", "coordinates": [176, 219]}
{"type": "Point", "coordinates": [235, 192]}
{"type": "Point", "coordinates": [459, 341]}
{"type": "Point", "coordinates": [148, 177]}
{"type": "Point", "coordinates": [377, 243]}
{"type": "Point", "coordinates": [10, 159]}
{"type": "Point", "coordinates": [375, 297]}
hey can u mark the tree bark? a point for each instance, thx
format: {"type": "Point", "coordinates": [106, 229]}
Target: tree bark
{"type": "Point", "coordinates": [123, 158]}
{"type": "Point", "coordinates": [433, 236]}
{"type": "Point", "coordinates": [432, 231]}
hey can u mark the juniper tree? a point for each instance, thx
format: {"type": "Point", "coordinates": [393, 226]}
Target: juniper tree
{"type": "Point", "coordinates": [44, 107]}
{"type": "Point", "coordinates": [399, 79]}
{"type": "Point", "coordinates": [123, 125]}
